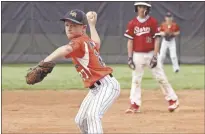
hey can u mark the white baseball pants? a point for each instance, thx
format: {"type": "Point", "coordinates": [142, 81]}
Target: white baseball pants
{"type": "Point", "coordinates": [95, 104]}
{"type": "Point", "coordinates": [142, 60]}
{"type": "Point", "coordinates": [172, 50]}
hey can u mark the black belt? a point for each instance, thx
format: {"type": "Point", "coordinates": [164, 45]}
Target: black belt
{"type": "Point", "coordinates": [98, 83]}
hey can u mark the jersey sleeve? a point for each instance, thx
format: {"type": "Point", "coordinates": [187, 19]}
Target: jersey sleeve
{"type": "Point", "coordinates": [97, 46]}
{"type": "Point", "coordinates": [77, 49]}
{"type": "Point", "coordinates": [155, 29]}
{"type": "Point", "coordinates": [129, 33]}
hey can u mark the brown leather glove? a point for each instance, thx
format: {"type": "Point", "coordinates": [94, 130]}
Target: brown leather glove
{"type": "Point", "coordinates": [39, 72]}
{"type": "Point", "coordinates": [153, 62]}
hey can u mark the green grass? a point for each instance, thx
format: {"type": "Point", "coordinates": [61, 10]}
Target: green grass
{"type": "Point", "coordinates": [64, 76]}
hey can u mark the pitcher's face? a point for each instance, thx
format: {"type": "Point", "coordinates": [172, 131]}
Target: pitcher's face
{"type": "Point", "coordinates": [72, 29]}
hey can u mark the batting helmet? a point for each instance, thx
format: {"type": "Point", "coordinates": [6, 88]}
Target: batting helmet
{"type": "Point", "coordinates": [136, 4]}
{"type": "Point", "coordinates": [76, 16]}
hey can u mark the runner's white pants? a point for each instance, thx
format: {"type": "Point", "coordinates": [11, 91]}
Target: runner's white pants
{"type": "Point", "coordinates": [141, 61]}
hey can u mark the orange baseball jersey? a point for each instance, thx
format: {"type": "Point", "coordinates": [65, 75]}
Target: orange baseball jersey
{"type": "Point", "coordinates": [169, 28]}
{"type": "Point", "coordinates": [87, 60]}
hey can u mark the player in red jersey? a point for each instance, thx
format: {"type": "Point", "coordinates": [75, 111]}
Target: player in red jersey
{"type": "Point", "coordinates": [143, 47]}
{"type": "Point", "coordinates": [84, 51]}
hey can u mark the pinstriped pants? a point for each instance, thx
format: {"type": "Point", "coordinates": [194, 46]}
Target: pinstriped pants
{"type": "Point", "coordinates": [95, 104]}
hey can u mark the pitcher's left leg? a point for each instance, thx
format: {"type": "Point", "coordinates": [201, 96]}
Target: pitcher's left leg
{"type": "Point", "coordinates": [167, 89]}
{"type": "Point", "coordinates": [107, 93]}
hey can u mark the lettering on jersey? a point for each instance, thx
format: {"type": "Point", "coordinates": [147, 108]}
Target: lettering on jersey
{"type": "Point", "coordinates": [99, 58]}
{"type": "Point", "coordinates": [83, 74]}
{"type": "Point", "coordinates": [92, 44]}
{"type": "Point", "coordinates": [96, 53]}
{"type": "Point", "coordinates": [141, 30]}
{"type": "Point", "coordinates": [101, 61]}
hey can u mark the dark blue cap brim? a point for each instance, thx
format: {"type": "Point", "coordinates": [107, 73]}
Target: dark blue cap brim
{"type": "Point", "coordinates": [77, 22]}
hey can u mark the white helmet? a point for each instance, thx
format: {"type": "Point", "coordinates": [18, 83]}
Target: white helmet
{"type": "Point", "coordinates": [142, 4]}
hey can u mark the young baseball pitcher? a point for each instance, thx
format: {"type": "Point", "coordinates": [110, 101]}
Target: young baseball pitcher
{"type": "Point", "coordinates": [84, 51]}
{"type": "Point", "coordinates": [169, 30]}
{"type": "Point", "coordinates": [143, 46]}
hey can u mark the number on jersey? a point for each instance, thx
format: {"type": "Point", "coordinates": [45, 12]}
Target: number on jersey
{"type": "Point", "coordinates": [83, 74]}
{"type": "Point", "coordinates": [92, 44]}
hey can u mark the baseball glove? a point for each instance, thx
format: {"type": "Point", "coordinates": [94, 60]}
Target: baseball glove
{"type": "Point", "coordinates": [39, 72]}
{"type": "Point", "coordinates": [153, 62]}
{"type": "Point", "coordinates": [169, 36]}
{"type": "Point", "coordinates": [131, 63]}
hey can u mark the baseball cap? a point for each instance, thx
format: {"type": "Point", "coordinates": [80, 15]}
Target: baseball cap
{"type": "Point", "coordinates": [77, 16]}
{"type": "Point", "coordinates": [168, 14]}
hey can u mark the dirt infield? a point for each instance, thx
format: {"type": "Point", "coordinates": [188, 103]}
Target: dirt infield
{"type": "Point", "coordinates": [54, 112]}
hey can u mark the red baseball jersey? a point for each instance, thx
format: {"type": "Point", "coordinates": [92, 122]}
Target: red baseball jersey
{"type": "Point", "coordinates": [169, 28]}
{"type": "Point", "coordinates": [87, 60]}
{"type": "Point", "coordinates": [142, 32]}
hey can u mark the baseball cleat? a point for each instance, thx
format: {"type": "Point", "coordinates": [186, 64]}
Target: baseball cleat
{"type": "Point", "coordinates": [176, 71]}
{"type": "Point", "coordinates": [133, 109]}
{"type": "Point", "coordinates": [173, 105]}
